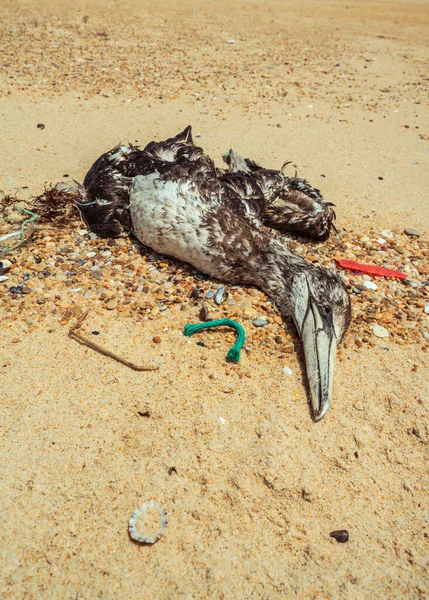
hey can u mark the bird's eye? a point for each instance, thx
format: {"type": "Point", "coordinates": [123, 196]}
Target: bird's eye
{"type": "Point", "coordinates": [327, 310]}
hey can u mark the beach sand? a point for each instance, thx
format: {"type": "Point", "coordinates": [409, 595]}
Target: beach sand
{"type": "Point", "coordinates": [252, 486]}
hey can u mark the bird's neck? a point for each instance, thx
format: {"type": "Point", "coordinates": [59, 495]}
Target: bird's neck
{"type": "Point", "coordinates": [275, 272]}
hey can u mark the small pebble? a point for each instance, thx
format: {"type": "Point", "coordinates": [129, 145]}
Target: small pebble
{"type": "Point", "coordinates": [387, 233]}
{"type": "Point", "coordinates": [40, 126]}
{"type": "Point", "coordinates": [210, 294]}
{"type": "Point", "coordinates": [5, 265]}
{"type": "Point", "coordinates": [260, 322]}
{"type": "Point", "coordinates": [342, 536]}
{"type": "Point", "coordinates": [427, 309]}
{"type": "Point", "coordinates": [112, 304]}
{"type": "Point", "coordinates": [95, 332]}
{"type": "Point", "coordinates": [370, 285]}
{"type": "Point", "coordinates": [3, 278]}
{"type": "Point", "coordinates": [380, 331]}
{"type": "Point", "coordinates": [204, 313]}
{"type": "Point", "coordinates": [287, 371]}
{"type": "Point", "coordinates": [411, 232]}
{"type": "Point", "coordinates": [156, 339]}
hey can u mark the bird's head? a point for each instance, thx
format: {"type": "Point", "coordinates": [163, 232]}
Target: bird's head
{"type": "Point", "coordinates": [321, 311]}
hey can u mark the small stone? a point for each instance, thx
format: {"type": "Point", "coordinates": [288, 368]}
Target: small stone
{"type": "Point", "coordinates": [387, 233]}
{"type": "Point", "coordinates": [40, 126]}
{"type": "Point", "coordinates": [278, 339]}
{"type": "Point", "coordinates": [260, 322]}
{"type": "Point", "coordinates": [156, 339]}
{"type": "Point", "coordinates": [154, 311]}
{"type": "Point", "coordinates": [427, 309]}
{"type": "Point", "coordinates": [411, 232]}
{"type": "Point", "coordinates": [210, 294]}
{"type": "Point", "coordinates": [5, 265]}
{"type": "Point", "coordinates": [112, 304]}
{"type": "Point", "coordinates": [204, 313]}
{"type": "Point", "coordinates": [341, 535]}
{"type": "Point", "coordinates": [287, 371]}
{"type": "Point", "coordinates": [380, 331]}
{"type": "Point", "coordinates": [26, 290]}
{"type": "Point", "coordinates": [370, 285]}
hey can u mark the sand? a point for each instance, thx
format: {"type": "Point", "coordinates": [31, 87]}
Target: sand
{"type": "Point", "coordinates": [339, 88]}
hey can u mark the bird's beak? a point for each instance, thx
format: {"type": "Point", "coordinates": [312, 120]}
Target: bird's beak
{"type": "Point", "coordinates": [317, 333]}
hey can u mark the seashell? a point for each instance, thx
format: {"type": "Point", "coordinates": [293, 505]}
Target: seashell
{"type": "Point", "coordinates": [210, 294]}
{"type": "Point", "coordinates": [144, 539]}
{"type": "Point", "coordinates": [195, 294]}
{"type": "Point", "coordinates": [380, 331]}
{"type": "Point", "coordinates": [16, 289]}
{"type": "Point", "coordinates": [219, 296]}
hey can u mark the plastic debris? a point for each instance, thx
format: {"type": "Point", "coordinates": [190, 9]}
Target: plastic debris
{"type": "Point", "coordinates": [352, 265]}
{"type": "Point", "coordinates": [146, 539]}
{"type": "Point", "coordinates": [234, 352]}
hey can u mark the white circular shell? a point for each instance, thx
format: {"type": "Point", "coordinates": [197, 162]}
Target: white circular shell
{"type": "Point", "coordinates": [144, 539]}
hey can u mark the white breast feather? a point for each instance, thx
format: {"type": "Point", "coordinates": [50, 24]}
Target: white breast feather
{"type": "Point", "coordinates": [167, 215]}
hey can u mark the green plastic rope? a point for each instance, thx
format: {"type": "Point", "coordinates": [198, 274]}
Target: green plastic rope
{"type": "Point", "coordinates": [234, 352]}
{"type": "Point", "coordinates": [33, 217]}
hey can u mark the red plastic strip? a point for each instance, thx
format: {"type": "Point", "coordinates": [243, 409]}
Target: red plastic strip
{"type": "Point", "coordinates": [370, 269]}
